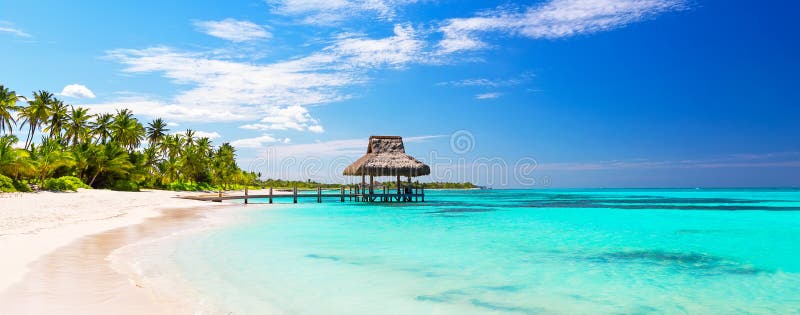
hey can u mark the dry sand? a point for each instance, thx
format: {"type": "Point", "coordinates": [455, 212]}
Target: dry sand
{"type": "Point", "coordinates": [55, 247]}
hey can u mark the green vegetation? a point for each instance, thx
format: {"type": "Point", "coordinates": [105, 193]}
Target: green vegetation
{"type": "Point", "coordinates": [6, 184]}
{"type": "Point", "coordinates": [64, 183]}
{"type": "Point", "coordinates": [111, 150]}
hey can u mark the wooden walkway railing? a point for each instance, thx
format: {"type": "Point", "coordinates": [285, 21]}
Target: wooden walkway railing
{"type": "Point", "coordinates": [353, 193]}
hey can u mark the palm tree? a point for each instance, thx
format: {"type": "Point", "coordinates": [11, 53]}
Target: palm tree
{"type": "Point", "coordinates": [49, 156]}
{"type": "Point", "coordinates": [101, 127]}
{"type": "Point", "coordinates": [77, 129]}
{"type": "Point", "coordinates": [58, 117]}
{"type": "Point", "coordinates": [126, 130]}
{"type": "Point", "coordinates": [111, 158]}
{"type": "Point", "coordinates": [204, 146]}
{"type": "Point", "coordinates": [189, 137]}
{"type": "Point", "coordinates": [150, 161]}
{"type": "Point", "coordinates": [172, 145]}
{"type": "Point", "coordinates": [13, 161]}
{"type": "Point", "coordinates": [8, 104]}
{"type": "Point", "coordinates": [37, 112]}
{"type": "Point", "coordinates": [224, 164]}
{"type": "Point", "coordinates": [83, 154]}
{"type": "Point", "coordinates": [156, 130]}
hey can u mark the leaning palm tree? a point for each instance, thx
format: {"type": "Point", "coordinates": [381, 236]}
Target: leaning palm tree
{"type": "Point", "coordinates": [77, 128]}
{"type": "Point", "coordinates": [36, 113]}
{"type": "Point", "coordinates": [156, 130]}
{"type": "Point", "coordinates": [57, 120]}
{"type": "Point", "coordinates": [101, 127]}
{"type": "Point", "coordinates": [8, 104]}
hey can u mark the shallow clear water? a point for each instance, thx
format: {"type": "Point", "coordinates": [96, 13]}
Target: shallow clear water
{"type": "Point", "coordinates": [508, 252]}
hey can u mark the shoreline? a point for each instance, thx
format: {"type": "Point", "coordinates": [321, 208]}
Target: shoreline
{"type": "Point", "coordinates": [60, 244]}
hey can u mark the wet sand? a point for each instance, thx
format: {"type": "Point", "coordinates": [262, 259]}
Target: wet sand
{"type": "Point", "coordinates": [78, 278]}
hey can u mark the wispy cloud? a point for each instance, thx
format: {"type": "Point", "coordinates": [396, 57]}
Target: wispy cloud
{"type": "Point", "coordinates": [486, 96]}
{"type": "Point", "coordinates": [275, 94]}
{"type": "Point", "coordinates": [761, 160]}
{"type": "Point", "coordinates": [287, 118]}
{"type": "Point", "coordinates": [334, 11]}
{"type": "Point", "coordinates": [485, 82]}
{"type": "Point", "coordinates": [9, 28]}
{"type": "Point", "coordinates": [257, 142]}
{"type": "Point", "coordinates": [553, 19]}
{"type": "Point", "coordinates": [233, 30]}
{"type": "Point", "coordinates": [77, 91]}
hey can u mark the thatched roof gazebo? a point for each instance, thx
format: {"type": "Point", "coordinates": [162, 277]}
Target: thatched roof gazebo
{"type": "Point", "coordinates": [386, 156]}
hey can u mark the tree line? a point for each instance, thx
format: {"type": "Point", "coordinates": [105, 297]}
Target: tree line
{"type": "Point", "coordinates": [109, 150]}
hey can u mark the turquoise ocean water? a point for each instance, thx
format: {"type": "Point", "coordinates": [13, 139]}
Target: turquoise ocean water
{"type": "Point", "coordinates": [633, 251]}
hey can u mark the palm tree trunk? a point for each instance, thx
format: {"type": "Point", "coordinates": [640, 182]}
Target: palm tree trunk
{"type": "Point", "coordinates": [31, 131]}
{"type": "Point", "coordinates": [95, 176]}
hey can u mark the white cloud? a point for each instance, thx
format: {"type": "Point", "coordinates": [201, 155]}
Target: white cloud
{"type": "Point", "coordinates": [257, 142]}
{"type": "Point", "coordinates": [486, 96]}
{"type": "Point", "coordinates": [395, 51]}
{"type": "Point", "coordinates": [419, 139]}
{"type": "Point", "coordinates": [333, 11]}
{"type": "Point", "coordinates": [554, 19]}
{"type": "Point", "coordinates": [8, 27]}
{"type": "Point", "coordinates": [173, 124]}
{"type": "Point", "coordinates": [205, 134]}
{"type": "Point", "coordinates": [287, 118]}
{"type": "Point", "coordinates": [77, 91]}
{"type": "Point", "coordinates": [167, 110]}
{"type": "Point", "coordinates": [316, 129]}
{"type": "Point", "coordinates": [233, 30]}
{"type": "Point", "coordinates": [274, 94]}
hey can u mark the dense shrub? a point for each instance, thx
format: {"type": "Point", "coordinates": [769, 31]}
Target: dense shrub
{"type": "Point", "coordinates": [125, 185]}
{"type": "Point", "coordinates": [6, 184]}
{"type": "Point", "coordinates": [64, 183]}
{"type": "Point", "coordinates": [181, 186]}
{"type": "Point", "coordinates": [22, 186]}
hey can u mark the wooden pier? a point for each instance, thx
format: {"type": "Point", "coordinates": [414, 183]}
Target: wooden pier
{"type": "Point", "coordinates": [349, 193]}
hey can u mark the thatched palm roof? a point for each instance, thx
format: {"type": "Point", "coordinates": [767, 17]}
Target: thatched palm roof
{"type": "Point", "coordinates": [386, 156]}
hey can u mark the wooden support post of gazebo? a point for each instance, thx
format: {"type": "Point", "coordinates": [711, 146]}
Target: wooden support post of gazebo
{"type": "Point", "coordinates": [371, 187]}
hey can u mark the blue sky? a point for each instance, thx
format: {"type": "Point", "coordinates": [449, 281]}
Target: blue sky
{"type": "Point", "coordinates": [561, 93]}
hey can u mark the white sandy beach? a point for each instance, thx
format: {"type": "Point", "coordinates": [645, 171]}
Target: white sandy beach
{"type": "Point", "coordinates": [35, 226]}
